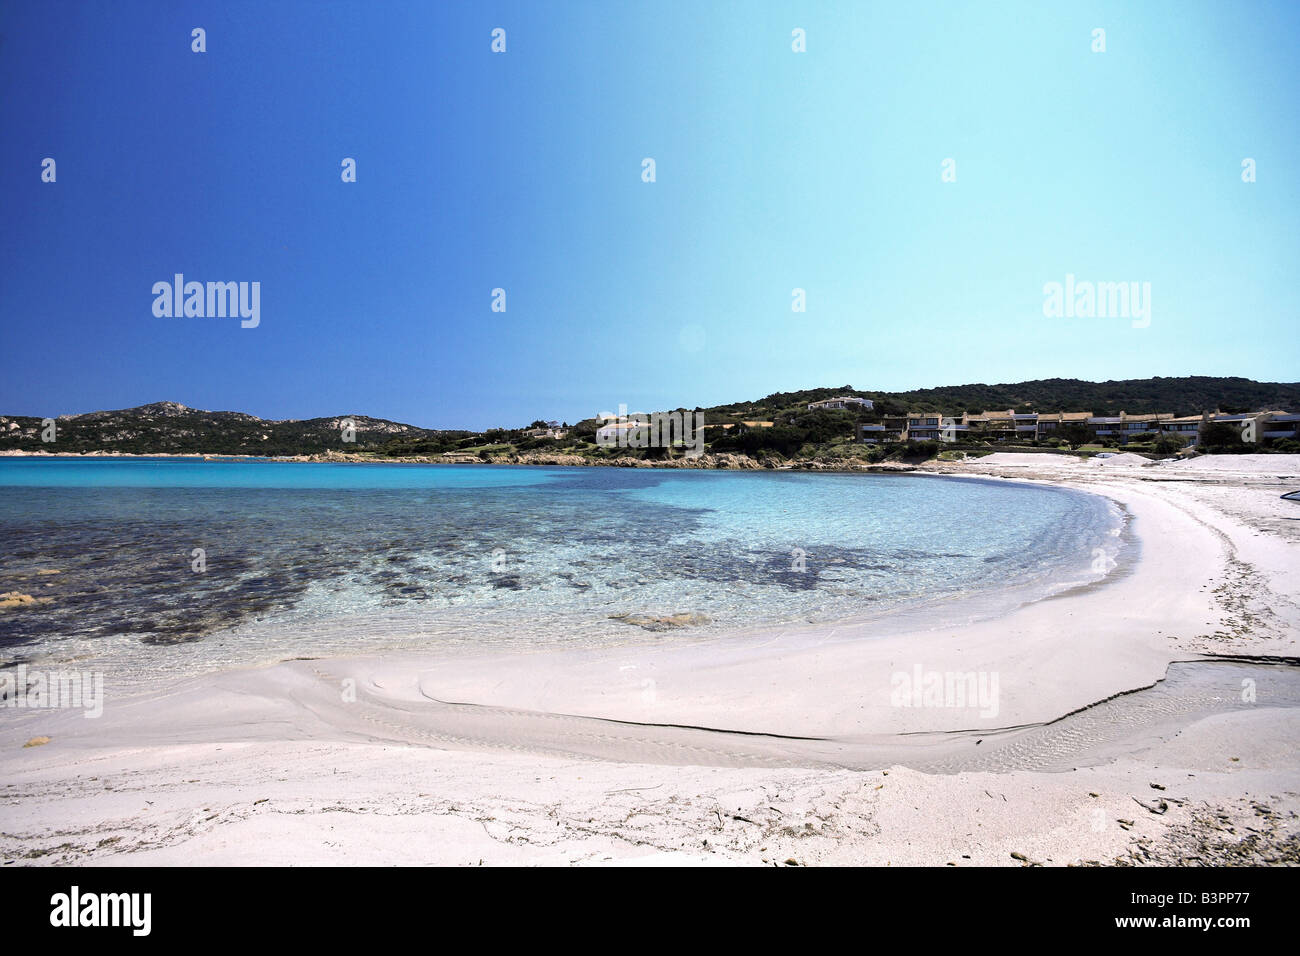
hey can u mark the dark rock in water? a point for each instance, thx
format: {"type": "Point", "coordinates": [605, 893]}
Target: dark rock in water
{"type": "Point", "coordinates": [167, 639]}
{"type": "Point", "coordinates": [507, 581]}
{"type": "Point", "coordinates": [665, 623]}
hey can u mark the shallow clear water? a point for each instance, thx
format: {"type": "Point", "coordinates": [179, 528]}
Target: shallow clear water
{"type": "Point", "coordinates": [305, 559]}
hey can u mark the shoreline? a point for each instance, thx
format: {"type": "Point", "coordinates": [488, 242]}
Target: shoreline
{"type": "Point", "coordinates": [393, 635]}
{"type": "Point", "coordinates": [718, 461]}
{"type": "Point", "coordinates": [470, 733]}
{"type": "Point", "coordinates": [1250, 463]}
{"type": "Point", "coordinates": [716, 682]}
{"type": "Point", "coordinates": [721, 461]}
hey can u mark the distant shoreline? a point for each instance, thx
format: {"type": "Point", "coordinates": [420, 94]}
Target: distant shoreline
{"type": "Point", "coordinates": [719, 461]}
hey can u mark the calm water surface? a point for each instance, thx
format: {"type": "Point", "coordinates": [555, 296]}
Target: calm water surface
{"type": "Point", "coordinates": [304, 558]}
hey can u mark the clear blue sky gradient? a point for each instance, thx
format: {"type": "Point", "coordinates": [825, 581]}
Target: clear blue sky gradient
{"type": "Point", "coordinates": [522, 170]}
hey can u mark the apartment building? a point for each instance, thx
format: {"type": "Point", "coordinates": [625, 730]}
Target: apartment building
{"type": "Point", "coordinates": [1049, 422]}
{"type": "Point", "coordinates": [890, 428]}
{"type": "Point", "coordinates": [992, 425]}
{"type": "Point", "coordinates": [1189, 427]}
{"type": "Point", "coordinates": [1011, 426]}
{"type": "Point", "coordinates": [1123, 427]}
{"type": "Point", "coordinates": [1279, 425]}
{"type": "Point", "coordinates": [1257, 426]}
{"type": "Point", "coordinates": [923, 427]}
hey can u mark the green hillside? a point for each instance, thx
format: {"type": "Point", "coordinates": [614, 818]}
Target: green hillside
{"type": "Point", "coordinates": [1188, 395]}
{"type": "Point", "coordinates": [168, 428]}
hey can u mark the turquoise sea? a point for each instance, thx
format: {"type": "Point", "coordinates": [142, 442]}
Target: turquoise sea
{"type": "Point", "coordinates": [181, 565]}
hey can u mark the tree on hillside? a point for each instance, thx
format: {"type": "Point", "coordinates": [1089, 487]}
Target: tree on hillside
{"type": "Point", "coordinates": [826, 425]}
{"type": "Point", "coordinates": [1169, 443]}
{"type": "Point", "coordinates": [1220, 436]}
{"type": "Point", "coordinates": [1073, 435]}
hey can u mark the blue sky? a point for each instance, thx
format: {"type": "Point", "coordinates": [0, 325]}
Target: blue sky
{"type": "Point", "coordinates": [775, 170]}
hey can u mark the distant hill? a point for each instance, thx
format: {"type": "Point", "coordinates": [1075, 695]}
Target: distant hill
{"type": "Point", "coordinates": [1188, 395]}
{"type": "Point", "coordinates": [170, 428]}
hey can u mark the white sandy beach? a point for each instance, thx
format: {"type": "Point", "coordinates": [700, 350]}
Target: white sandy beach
{"type": "Point", "coordinates": [766, 747]}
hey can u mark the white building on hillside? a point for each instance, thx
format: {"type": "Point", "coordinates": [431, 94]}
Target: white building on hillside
{"type": "Point", "coordinates": [609, 434]}
{"type": "Point", "coordinates": [844, 401]}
